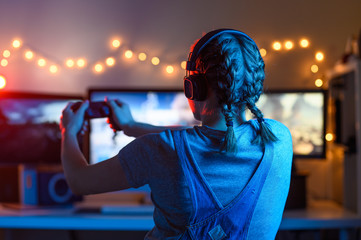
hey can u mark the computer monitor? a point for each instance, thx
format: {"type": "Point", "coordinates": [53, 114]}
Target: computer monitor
{"type": "Point", "coordinates": [158, 107]}
{"type": "Point", "coordinates": [29, 127]}
{"type": "Point", "coordinates": [304, 113]}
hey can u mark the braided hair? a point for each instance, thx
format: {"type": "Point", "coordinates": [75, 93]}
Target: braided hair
{"type": "Point", "coordinates": [234, 69]}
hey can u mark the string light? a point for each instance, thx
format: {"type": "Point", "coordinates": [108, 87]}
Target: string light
{"type": "Point", "coordinates": [184, 64]}
{"type": "Point", "coordinates": [142, 56]}
{"type": "Point", "coordinates": [288, 45]}
{"type": "Point", "coordinates": [110, 61]}
{"type": "Point", "coordinates": [16, 43]}
{"type": "Point", "coordinates": [4, 62]}
{"type": "Point", "coordinates": [128, 54]}
{"type": "Point", "coordinates": [98, 68]}
{"type": "Point", "coordinates": [70, 63]}
{"type": "Point", "coordinates": [155, 61]}
{"type": "Point", "coordinates": [41, 62]}
{"type": "Point", "coordinates": [53, 69]}
{"type": "Point", "coordinates": [318, 82]}
{"type": "Point", "coordinates": [314, 68]}
{"type": "Point", "coordinates": [329, 137]}
{"type": "Point", "coordinates": [6, 53]}
{"type": "Point", "coordinates": [263, 52]}
{"type": "Point", "coordinates": [169, 69]}
{"type": "Point", "coordinates": [2, 82]}
{"type": "Point", "coordinates": [116, 43]}
{"type": "Point", "coordinates": [29, 55]}
{"type": "Point", "coordinates": [81, 63]}
{"type": "Point", "coordinates": [304, 43]}
{"type": "Point", "coordinates": [319, 56]}
{"type": "Point", "coordinates": [277, 46]}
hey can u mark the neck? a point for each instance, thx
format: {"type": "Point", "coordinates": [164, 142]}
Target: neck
{"type": "Point", "coordinates": [217, 120]}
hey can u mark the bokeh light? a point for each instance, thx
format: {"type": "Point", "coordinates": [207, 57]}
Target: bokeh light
{"type": "Point", "coordinates": [314, 68]}
{"type": "Point", "coordinates": [128, 54]}
{"type": "Point", "coordinates": [277, 46]}
{"type": "Point", "coordinates": [53, 69]}
{"type": "Point", "coordinates": [169, 69]}
{"type": "Point", "coordinates": [4, 62]}
{"type": "Point", "coordinates": [155, 61]}
{"type": "Point", "coordinates": [110, 61]}
{"type": "Point", "coordinates": [263, 52]}
{"type": "Point", "coordinates": [98, 68]}
{"type": "Point", "coordinates": [17, 43]}
{"type": "Point", "coordinates": [70, 63]}
{"type": "Point", "coordinates": [41, 62]}
{"type": "Point", "coordinates": [29, 55]}
{"type": "Point", "coordinates": [6, 53]}
{"type": "Point", "coordinates": [329, 137]}
{"type": "Point", "coordinates": [184, 64]}
{"type": "Point", "coordinates": [319, 56]}
{"type": "Point", "coordinates": [304, 43]}
{"type": "Point", "coordinates": [81, 62]}
{"type": "Point", "coordinates": [116, 43]}
{"type": "Point", "coordinates": [142, 56]}
{"type": "Point", "coordinates": [2, 82]}
{"type": "Point", "coordinates": [318, 82]}
{"type": "Point", "coordinates": [288, 45]}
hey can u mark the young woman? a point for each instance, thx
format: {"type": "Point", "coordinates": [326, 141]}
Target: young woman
{"type": "Point", "coordinates": [226, 179]}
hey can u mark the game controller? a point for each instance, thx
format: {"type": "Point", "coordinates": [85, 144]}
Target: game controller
{"type": "Point", "coordinates": [95, 109]}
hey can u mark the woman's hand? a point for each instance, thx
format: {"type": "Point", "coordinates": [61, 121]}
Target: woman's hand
{"type": "Point", "coordinates": [73, 122]}
{"type": "Point", "coordinates": [121, 118]}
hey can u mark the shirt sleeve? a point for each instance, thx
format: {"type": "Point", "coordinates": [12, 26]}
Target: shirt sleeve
{"type": "Point", "coordinates": [141, 158]}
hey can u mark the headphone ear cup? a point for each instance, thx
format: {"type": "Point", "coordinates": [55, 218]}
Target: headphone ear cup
{"type": "Point", "coordinates": [195, 87]}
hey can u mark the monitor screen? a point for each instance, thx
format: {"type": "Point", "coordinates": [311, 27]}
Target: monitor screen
{"type": "Point", "coordinates": [156, 107]}
{"type": "Point", "coordinates": [303, 112]}
{"type": "Point", "coordinates": [29, 127]}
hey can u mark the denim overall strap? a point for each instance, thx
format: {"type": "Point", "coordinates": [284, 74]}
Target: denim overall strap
{"type": "Point", "coordinates": [232, 221]}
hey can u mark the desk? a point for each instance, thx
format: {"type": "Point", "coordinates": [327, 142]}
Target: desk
{"type": "Point", "coordinates": [322, 215]}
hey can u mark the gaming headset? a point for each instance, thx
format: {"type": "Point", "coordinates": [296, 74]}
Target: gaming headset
{"type": "Point", "coordinates": [195, 87]}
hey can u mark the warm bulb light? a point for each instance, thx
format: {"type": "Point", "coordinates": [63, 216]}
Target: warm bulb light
{"type": "Point", "coordinates": [116, 43]}
{"type": "Point", "coordinates": [29, 55]}
{"type": "Point", "coordinates": [318, 82]}
{"type": "Point", "coordinates": [155, 61]}
{"type": "Point", "coordinates": [16, 43]}
{"type": "Point", "coordinates": [70, 63]}
{"type": "Point", "coordinates": [169, 69]}
{"type": "Point", "coordinates": [314, 68]}
{"type": "Point", "coordinates": [53, 69]}
{"type": "Point", "coordinates": [329, 137]}
{"type": "Point", "coordinates": [304, 43]}
{"type": "Point", "coordinates": [6, 53]}
{"type": "Point", "coordinates": [319, 56]}
{"type": "Point", "coordinates": [142, 56]}
{"type": "Point", "coordinates": [263, 52]}
{"type": "Point", "coordinates": [184, 64]}
{"type": "Point", "coordinates": [41, 62]}
{"type": "Point", "coordinates": [2, 82]}
{"type": "Point", "coordinates": [98, 68]}
{"type": "Point", "coordinates": [110, 61]}
{"type": "Point", "coordinates": [128, 54]}
{"type": "Point", "coordinates": [277, 46]}
{"type": "Point", "coordinates": [81, 62]}
{"type": "Point", "coordinates": [4, 62]}
{"type": "Point", "coordinates": [288, 45]}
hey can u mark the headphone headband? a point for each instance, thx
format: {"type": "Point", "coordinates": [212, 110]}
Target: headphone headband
{"type": "Point", "coordinates": [191, 63]}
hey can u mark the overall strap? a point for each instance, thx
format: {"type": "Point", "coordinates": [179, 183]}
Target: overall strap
{"type": "Point", "coordinates": [202, 197]}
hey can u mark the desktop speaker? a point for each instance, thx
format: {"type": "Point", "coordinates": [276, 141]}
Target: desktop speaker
{"type": "Point", "coordinates": [28, 185]}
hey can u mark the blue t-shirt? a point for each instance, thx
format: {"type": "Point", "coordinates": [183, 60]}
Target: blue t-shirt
{"type": "Point", "coordinates": [152, 160]}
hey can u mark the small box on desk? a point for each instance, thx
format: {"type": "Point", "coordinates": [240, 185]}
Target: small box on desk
{"type": "Point", "coordinates": [34, 185]}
